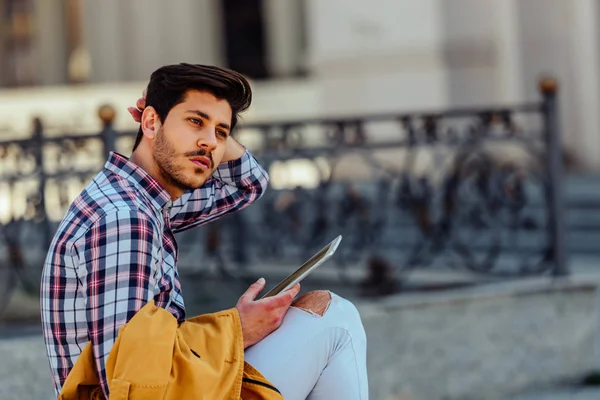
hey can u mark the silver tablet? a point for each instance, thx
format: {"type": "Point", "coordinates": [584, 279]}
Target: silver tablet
{"type": "Point", "coordinates": [298, 275]}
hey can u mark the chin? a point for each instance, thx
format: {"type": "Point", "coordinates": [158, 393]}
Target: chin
{"type": "Point", "coordinates": [192, 183]}
{"type": "Point", "coordinates": [198, 183]}
{"type": "Point", "coordinates": [193, 180]}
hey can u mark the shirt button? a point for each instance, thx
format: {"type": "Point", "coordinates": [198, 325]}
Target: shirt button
{"type": "Point", "coordinates": [167, 209]}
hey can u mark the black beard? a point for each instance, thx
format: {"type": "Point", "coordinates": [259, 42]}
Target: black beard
{"type": "Point", "coordinates": [173, 180]}
{"type": "Point", "coordinates": [164, 154]}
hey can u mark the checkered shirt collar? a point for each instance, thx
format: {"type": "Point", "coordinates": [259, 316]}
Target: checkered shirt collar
{"type": "Point", "coordinates": [141, 179]}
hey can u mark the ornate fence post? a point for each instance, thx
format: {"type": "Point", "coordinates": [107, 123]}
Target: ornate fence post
{"type": "Point", "coordinates": [38, 155]}
{"type": "Point", "coordinates": [37, 140]}
{"type": "Point", "coordinates": [554, 189]}
{"type": "Point", "coordinates": [107, 114]}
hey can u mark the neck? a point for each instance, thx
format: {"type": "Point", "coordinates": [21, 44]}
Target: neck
{"type": "Point", "coordinates": [143, 159]}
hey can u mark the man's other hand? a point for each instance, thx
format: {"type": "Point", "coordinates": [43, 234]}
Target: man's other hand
{"type": "Point", "coordinates": [261, 317]}
{"type": "Point", "coordinates": [136, 112]}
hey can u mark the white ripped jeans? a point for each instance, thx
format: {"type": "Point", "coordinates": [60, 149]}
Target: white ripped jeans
{"type": "Point", "coordinates": [316, 357]}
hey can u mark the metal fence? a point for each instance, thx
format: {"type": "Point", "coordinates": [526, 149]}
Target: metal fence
{"type": "Point", "coordinates": [476, 190]}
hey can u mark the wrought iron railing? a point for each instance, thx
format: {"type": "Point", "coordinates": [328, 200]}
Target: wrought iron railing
{"type": "Point", "coordinates": [477, 190]}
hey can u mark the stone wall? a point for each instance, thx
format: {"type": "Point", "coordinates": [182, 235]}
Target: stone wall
{"type": "Point", "coordinates": [485, 343]}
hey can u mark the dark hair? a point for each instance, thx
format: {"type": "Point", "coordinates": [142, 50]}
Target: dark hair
{"type": "Point", "coordinates": [169, 85]}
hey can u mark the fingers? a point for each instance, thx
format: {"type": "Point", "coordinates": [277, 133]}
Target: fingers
{"type": "Point", "coordinates": [253, 290]}
{"type": "Point", "coordinates": [283, 299]}
{"type": "Point", "coordinates": [140, 104]}
{"type": "Point", "coordinates": [135, 114]}
{"type": "Point", "coordinates": [292, 292]}
{"type": "Point", "coordinates": [295, 290]}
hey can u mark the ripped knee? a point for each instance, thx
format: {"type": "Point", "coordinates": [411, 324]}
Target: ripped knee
{"type": "Point", "coordinates": [316, 302]}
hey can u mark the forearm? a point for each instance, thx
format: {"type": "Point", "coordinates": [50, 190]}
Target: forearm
{"type": "Point", "coordinates": [244, 172]}
{"type": "Point", "coordinates": [234, 185]}
{"type": "Point", "coordinates": [233, 151]}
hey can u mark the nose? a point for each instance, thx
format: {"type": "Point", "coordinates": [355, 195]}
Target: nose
{"type": "Point", "coordinates": [208, 141]}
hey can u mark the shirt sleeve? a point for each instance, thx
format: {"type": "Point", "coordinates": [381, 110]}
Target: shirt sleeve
{"type": "Point", "coordinates": [119, 264]}
{"type": "Point", "coordinates": [233, 186]}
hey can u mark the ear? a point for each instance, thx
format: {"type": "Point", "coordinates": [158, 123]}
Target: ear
{"type": "Point", "coordinates": [150, 122]}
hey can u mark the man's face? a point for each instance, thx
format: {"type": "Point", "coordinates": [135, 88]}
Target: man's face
{"type": "Point", "coordinates": [192, 140]}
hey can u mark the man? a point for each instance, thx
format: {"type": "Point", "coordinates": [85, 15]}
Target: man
{"type": "Point", "coordinates": [115, 249]}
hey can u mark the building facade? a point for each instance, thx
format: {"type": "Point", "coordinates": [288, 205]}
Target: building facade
{"type": "Point", "coordinates": [327, 57]}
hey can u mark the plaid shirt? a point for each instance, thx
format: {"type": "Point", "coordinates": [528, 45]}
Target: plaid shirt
{"type": "Point", "coordinates": [115, 250]}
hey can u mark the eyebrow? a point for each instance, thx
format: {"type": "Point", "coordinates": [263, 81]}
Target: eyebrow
{"type": "Point", "coordinates": [206, 116]}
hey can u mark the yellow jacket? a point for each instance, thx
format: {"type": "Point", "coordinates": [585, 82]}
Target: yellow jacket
{"type": "Point", "coordinates": [154, 358]}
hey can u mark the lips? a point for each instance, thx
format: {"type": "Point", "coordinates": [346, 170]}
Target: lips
{"type": "Point", "coordinates": [202, 162]}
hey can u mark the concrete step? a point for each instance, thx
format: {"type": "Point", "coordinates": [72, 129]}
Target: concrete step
{"type": "Point", "coordinates": [574, 393]}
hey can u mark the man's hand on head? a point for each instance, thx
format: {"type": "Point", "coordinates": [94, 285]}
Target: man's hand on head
{"type": "Point", "coordinates": [136, 112]}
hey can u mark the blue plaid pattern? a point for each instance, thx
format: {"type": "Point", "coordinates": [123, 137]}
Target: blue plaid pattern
{"type": "Point", "coordinates": [115, 250]}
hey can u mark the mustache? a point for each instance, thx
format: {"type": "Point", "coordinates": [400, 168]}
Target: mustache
{"type": "Point", "coordinates": [202, 153]}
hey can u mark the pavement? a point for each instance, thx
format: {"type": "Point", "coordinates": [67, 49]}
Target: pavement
{"type": "Point", "coordinates": [24, 372]}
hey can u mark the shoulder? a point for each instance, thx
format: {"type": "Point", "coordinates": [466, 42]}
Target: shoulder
{"type": "Point", "coordinates": [108, 201]}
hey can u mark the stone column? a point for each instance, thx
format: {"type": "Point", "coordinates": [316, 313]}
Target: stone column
{"type": "Point", "coordinates": [545, 29]}
{"type": "Point", "coordinates": [585, 61]}
{"type": "Point", "coordinates": [144, 36]}
{"type": "Point", "coordinates": [285, 25]}
{"type": "Point", "coordinates": [507, 40]}
{"type": "Point", "coordinates": [103, 32]}
{"type": "Point", "coordinates": [158, 32]}
{"type": "Point", "coordinates": [368, 59]}
{"type": "Point", "coordinates": [78, 54]}
{"type": "Point", "coordinates": [2, 40]}
{"type": "Point", "coordinates": [469, 51]}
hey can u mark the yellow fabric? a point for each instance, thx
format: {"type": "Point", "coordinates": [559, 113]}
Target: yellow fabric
{"type": "Point", "coordinates": [153, 358]}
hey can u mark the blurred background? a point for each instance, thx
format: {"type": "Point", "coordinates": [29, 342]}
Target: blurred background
{"type": "Point", "coordinates": [454, 143]}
